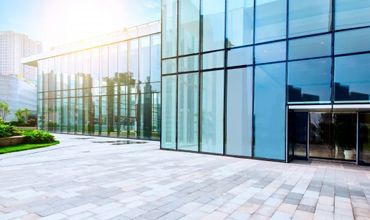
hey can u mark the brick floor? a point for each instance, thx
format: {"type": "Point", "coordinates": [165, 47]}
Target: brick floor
{"type": "Point", "coordinates": [80, 179]}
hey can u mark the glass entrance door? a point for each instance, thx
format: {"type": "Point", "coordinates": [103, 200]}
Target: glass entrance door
{"type": "Point", "coordinates": [297, 135]}
{"type": "Point", "coordinates": [333, 136]}
{"type": "Point", "coordinates": [364, 138]}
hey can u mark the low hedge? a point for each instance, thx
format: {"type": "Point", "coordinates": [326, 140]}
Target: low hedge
{"type": "Point", "coordinates": [38, 137]}
{"type": "Point", "coordinates": [8, 131]}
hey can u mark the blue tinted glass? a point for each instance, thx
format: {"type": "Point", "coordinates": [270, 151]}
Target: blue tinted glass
{"type": "Point", "coordinates": [168, 132]}
{"type": "Point", "coordinates": [269, 111]}
{"type": "Point", "coordinates": [213, 60]}
{"type": "Point", "coordinates": [168, 66]}
{"type": "Point", "coordinates": [309, 17]}
{"type": "Point", "coordinates": [270, 20]}
{"type": "Point", "coordinates": [188, 111]}
{"type": "Point", "coordinates": [349, 13]}
{"type": "Point", "coordinates": [169, 28]}
{"type": "Point", "coordinates": [212, 111]}
{"type": "Point", "coordinates": [240, 56]}
{"type": "Point", "coordinates": [270, 52]}
{"type": "Point", "coordinates": [188, 26]}
{"type": "Point", "coordinates": [239, 22]}
{"type": "Point", "coordinates": [213, 13]}
{"type": "Point", "coordinates": [352, 41]}
{"type": "Point", "coordinates": [352, 78]}
{"type": "Point", "coordinates": [310, 47]}
{"type": "Point", "coordinates": [239, 111]}
{"type": "Point", "coordinates": [189, 63]}
{"type": "Point", "coordinates": [309, 81]}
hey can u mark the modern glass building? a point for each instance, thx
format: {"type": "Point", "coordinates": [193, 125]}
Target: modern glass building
{"type": "Point", "coordinates": [107, 87]}
{"type": "Point", "coordinates": [267, 79]}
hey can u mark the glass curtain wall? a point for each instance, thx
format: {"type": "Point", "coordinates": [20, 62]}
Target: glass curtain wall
{"type": "Point", "coordinates": [111, 90]}
{"type": "Point", "coordinates": [263, 56]}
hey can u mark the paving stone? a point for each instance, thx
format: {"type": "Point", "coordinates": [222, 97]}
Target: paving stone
{"type": "Point", "coordinates": [306, 208]}
{"type": "Point", "coordinates": [142, 182]}
{"type": "Point", "coordinates": [172, 216]}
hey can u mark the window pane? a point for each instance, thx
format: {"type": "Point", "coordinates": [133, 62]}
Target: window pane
{"type": "Point", "coordinates": [188, 111]}
{"type": "Point", "coordinates": [270, 20]}
{"type": "Point", "coordinates": [364, 137]}
{"type": "Point", "coordinates": [95, 69]}
{"type": "Point", "coordinates": [352, 41]}
{"type": "Point", "coordinates": [169, 28]}
{"type": "Point", "coordinates": [239, 111]}
{"type": "Point", "coordinates": [352, 78]}
{"type": "Point", "coordinates": [144, 59]}
{"type": "Point", "coordinates": [310, 47]}
{"type": "Point", "coordinates": [168, 132]}
{"type": "Point", "coordinates": [239, 22]}
{"type": "Point", "coordinates": [190, 63]}
{"type": "Point", "coordinates": [169, 66]}
{"type": "Point", "coordinates": [188, 26]}
{"type": "Point", "coordinates": [213, 12]}
{"type": "Point", "coordinates": [309, 81]}
{"type": "Point", "coordinates": [309, 17]}
{"type": "Point", "coordinates": [240, 56]}
{"type": "Point", "coordinates": [104, 68]}
{"type": "Point", "coordinates": [213, 60]}
{"type": "Point", "coordinates": [212, 112]}
{"type": "Point", "coordinates": [349, 14]}
{"type": "Point", "coordinates": [122, 57]}
{"type": "Point", "coordinates": [269, 106]}
{"type": "Point", "coordinates": [270, 52]}
{"type": "Point", "coordinates": [133, 66]}
{"type": "Point", "coordinates": [155, 58]}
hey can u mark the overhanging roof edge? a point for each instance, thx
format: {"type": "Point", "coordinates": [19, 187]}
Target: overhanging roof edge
{"type": "Point", "coordinates": [130, 33]}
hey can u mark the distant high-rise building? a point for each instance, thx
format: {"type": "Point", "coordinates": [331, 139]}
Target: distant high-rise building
{"type": "Point", "coordinates": [17, 81]}
{"type": "Point", "coordinates": [13, 47]}
{"type": "Point", "coordinates": [18, 94]}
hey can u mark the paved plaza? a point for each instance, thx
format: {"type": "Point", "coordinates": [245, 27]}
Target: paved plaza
{"type": "Point", "coordinates": [98, 178]}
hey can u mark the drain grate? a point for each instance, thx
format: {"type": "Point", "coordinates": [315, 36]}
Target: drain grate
{"type": "Point", "coordinates": [83, 138]}
{"type": "Point", "coordinates": [123, 142]}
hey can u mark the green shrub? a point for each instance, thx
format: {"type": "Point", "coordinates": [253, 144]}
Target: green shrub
{"type": "Point", "coordinates": [38, 137]}
{"type": "Point", "coordinates": [8, 131]}
{"type": "Point", "coordinates": [2, 121]}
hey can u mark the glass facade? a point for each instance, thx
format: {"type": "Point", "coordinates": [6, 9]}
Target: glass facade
{"type": "Point", "coordinates": [111, 90]}
{"type": "Point", "coordinates": [252, 63]}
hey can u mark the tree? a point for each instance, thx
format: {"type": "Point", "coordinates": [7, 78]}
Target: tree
{"type": "Point", "coordinates": [19, 115]}
{"type": "Point", "coordinates": [4, 110]}
{"type": "Point", "coordinates": [26, 114]}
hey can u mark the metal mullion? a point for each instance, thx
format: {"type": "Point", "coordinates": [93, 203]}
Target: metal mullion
{"type": "Point", "coordinates": [200, 74]}
{"type": "Point", "coordinates": [129, 90]}
{"type": "Point", "coordinates": [310, 58]}
{"type": "Point", "coordinates": [225, 81]}
{"type": "Point", "coordinates": [253, 78]}
{"type": "Point", "coordinates": [177, 70]}
{"type": "Point", "coordinates": [357, 138]}
{"type": "Point", "coordinates": [286, 83]}
{"type": "Point", "coordinates": [350, 54]}
{"type": "Point", "coordinates": [138, 93]}
{"type": "Point", "coordinates": [353, 28]}
{"type": "Point", "coordinates": [118, 97]}
{"type": "Point", "coordinates": [332, 98]}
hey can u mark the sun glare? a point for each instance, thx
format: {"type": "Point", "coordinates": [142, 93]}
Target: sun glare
{"type": "Point", "coordinates": [74, 20]}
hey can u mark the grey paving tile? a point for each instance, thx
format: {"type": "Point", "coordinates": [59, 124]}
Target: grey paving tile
{"type": "Point", "coordinates": [143, 182]}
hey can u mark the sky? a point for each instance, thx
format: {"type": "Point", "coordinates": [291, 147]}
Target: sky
{"type": "Point", "coordinates": [58, 22]}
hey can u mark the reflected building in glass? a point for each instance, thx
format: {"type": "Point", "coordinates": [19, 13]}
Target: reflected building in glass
{"type": "Point", "coordinates": [108, 86]}
{"type": "Point", "coordinates": [267, 79]}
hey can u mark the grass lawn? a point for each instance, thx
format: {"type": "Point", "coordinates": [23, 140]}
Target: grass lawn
{"type": "Point", "coordinates": [22, 147]}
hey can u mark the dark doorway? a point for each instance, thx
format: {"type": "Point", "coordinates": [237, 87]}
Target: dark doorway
{"type": "Point", "coordinates": [297, 135]}
{"type": "Point", "coordinates": [364, 138]}
{"type": "Point", "coordinates": [333, 136]}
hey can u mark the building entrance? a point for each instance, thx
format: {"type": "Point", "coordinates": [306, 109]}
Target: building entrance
{"type": "Point", "coordinates": [323, 135]}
